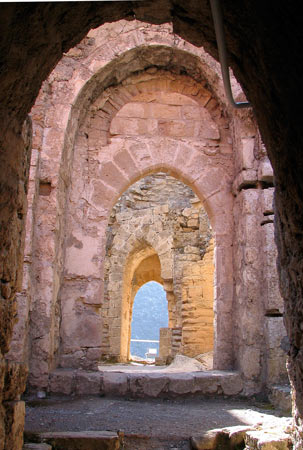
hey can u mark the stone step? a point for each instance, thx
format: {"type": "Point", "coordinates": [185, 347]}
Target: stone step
{"type": "Point", "coordinates": [75, 440]}
{"type": "Point", "coordinates": [152, 384]}
{"type": "Point", "coordinates": [267, 440]}
{"type": "Point", "coordinates": [103, 440]}
{"type": "Point", "coordinates": [245, 437]}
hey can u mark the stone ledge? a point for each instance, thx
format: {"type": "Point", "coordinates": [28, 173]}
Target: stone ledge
{"type": "Point", "coordinates": [152, 384]}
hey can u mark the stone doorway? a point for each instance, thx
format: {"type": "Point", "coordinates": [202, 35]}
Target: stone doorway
{"type": "Point", "coordinates": [159, 230]}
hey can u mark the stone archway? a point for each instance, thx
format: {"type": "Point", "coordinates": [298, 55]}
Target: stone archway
{"type": "Point", "coordinates": [162, 220]}
{"type": "Point", "coordinates": [228, 169]}
{"type": "Point", "coordinates": [270, 86]}
{"type": "Point", "coordinates": [97, 166]}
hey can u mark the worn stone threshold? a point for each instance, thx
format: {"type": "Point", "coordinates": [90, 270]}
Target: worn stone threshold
{"type": "Point", "coordinates": [71, 440]}
{"type": "Point", "coordinates": [144, 384]}
{"type": "Point", "coordinates": [101, 440]}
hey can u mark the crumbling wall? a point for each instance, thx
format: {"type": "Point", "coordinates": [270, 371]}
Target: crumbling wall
{"type": "Point", "coordinates": [55, 138]}
{"type": "Point", "coordinates": [259, 305]}
{"type": "Point", "coordinates": [89, 157]}
{"type": "Point", "coordinates": [13, 200]}
{"type": "Point", "coordinates": [162, 213]}
{"type": "Point", "coordinates": [270, 86]}
{"type": "Point", "coordinates": [197, 305]}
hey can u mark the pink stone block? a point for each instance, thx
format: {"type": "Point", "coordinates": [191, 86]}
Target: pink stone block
{"type": "Point", "coordinates": [112, 176]}
{"type": "Point", "coordinates": [160, 111]}
{"type": "Point", "coordinates": [126, 164]}
{"type": "Point", "coordinates": [134, 110]}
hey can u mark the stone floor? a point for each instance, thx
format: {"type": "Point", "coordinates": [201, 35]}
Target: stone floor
{"type": "Point", "coordinates": [145, 424]}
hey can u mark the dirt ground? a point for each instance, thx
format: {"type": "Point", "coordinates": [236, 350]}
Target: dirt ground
{"type": "Point", "coordinates": [173, 421]}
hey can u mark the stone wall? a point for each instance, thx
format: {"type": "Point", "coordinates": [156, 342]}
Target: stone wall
{"type": "Point", "coordinates": [32, 44]}
{"type": "Point", "coordinates": [171, 96]}
{"type": "Point", "coordinates": [159, 215]}
{"type": "Point", "coordinates": [12, 374]}
{"type": "Point", "coordinates": [197, 305]}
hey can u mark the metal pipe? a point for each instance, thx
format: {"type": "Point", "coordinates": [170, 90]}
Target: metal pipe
{"type": "Point", "coordinates": [218, 23]}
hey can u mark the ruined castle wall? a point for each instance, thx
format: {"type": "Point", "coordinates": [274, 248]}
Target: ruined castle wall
{"type": "Point", "coordinates": [258, 303]}
{"type": "Point", "coordinates": [89, 157]}
{"type": "Point", "coordinates": [13, 373]}
{"type": "Point", "coordinates": [126, 156]}
{"type": "Point", "coordinates": [55, 142]}
{"type": "Point", "coordinates": [198, 305]}
{"type": "Point", "coordinates": [164, 215]}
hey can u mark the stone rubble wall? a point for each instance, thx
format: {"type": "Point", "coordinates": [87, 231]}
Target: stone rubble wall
{"type": "Point", "coordinates": [198, 305]}
{"type": "Point", "coordinates": [12, 237]}
{"type": "Point", "coordinates": [163, 213]}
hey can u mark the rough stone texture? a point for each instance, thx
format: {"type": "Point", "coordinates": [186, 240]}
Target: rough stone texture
{"type": "Point", "coordinates": [197, 307]}
{"type": "Point", "coordinates": [29, 446]}
{"type": "Point", "coordinates": [255, 260]}
{"type": "Point", "coordinates": [94, 440]}
{"type": "Point", "coordinates": [62, 382]}
{"type": "Point", "coordinates": [270, 85]}
{"type": "Point", "coordinates": [93, 138]}
{"type": "Point", "coordinates": [157, 230]}
{"type": "Point", "coordinates": [248, 437]}
{"type": "Point", "coordinates": [262, 440]}
{"type": "Point", "coordinates": [12, 384]}
{"type": "Point", "coordinates": [14, 424]}
{"type": "Point", "coordinates": [280, 397]}
{"type": "Point", "coordinates": [165, 346]}
{"type": "Point", "coordinates": [12, 220]}
{"type": "Point", "coordinates": [176, 381]}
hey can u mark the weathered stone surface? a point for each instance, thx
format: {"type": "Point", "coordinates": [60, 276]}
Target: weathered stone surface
{"type": "Point", "coordinates": [211, 440]}
{"type": "Point", "coordinates": [29, 446]}
{"type": "Point", "coordinates": [264, 440]}
{"type": "Point", "coordinates": [205, 384]}
{"type": "Point", "coordinates": [94, 440]}
{"type": "Point", "coordinates": [185, 363]}
{"type": "Point", "coordinates": [232, 385]}
{"type": "Point", "coordinates": [15, 413]}
{"type": "Point", "coordinates": [88, 383]}
{"type": "Point", "coordinates": [250, 437]}
{"type": "Point", "coordinates": [155, 385]}
{"type": "Point", "coordinates": [14, 380]}
{"type": "Point", "coordinates": [181, 384]}
{"type": "Point", "coordinates": [154, 212]}
{"type": "Point", "coordinates": [115, 383]}
{"type": "Point", "coordinates": [50, 230]}
{"type": "Point", "coordinates": [280, 397]}
{"type": "Point", "coordinates": [62, 382]}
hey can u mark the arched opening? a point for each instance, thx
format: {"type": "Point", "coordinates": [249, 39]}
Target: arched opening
{"type": "Point", "coordinates": [159, 231]}
{"type": "Point", "coordinates": [164, 113]}
{"type": "Point", "coordinates": [282, 144]}
{"type": "Point", "coordinates": [149, 314]}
